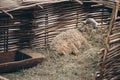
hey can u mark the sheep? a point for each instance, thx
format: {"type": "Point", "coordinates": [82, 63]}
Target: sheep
{"type": "Point", "coordinates": [91, 21]}
{"type": "Point", "coordinates": [69, 42]}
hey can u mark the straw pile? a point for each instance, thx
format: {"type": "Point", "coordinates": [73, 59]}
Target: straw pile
{"type": "Point", "coordinates": [69, 42]}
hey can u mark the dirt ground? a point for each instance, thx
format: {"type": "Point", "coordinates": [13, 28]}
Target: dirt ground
{"type": "Point", "coordinates": [69, 67]}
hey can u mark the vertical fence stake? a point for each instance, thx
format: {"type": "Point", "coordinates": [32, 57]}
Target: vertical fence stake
{"type": "Point", "coordinates": [113, 18]}
{"type": "Point", "coordinates": [46, 32]}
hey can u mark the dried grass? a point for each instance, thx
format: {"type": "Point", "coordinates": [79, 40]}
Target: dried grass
{"type": "Point", "coordinates": [95, 35]}
{"type": "Point", "coordinates": [69, 41]}
{"type": "Point", "coordinates": [70, 67]}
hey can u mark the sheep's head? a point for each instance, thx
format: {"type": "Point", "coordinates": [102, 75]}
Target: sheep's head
{"type": "Point", "coordinates": [91, 21]}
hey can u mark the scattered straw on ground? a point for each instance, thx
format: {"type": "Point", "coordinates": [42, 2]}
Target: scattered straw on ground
{"type": "Point", "coordinates": [70, 67]}
{"type": "Point", "coordinates": [61, 68]}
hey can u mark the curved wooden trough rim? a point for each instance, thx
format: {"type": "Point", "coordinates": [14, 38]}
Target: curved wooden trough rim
{"type": "Point", "coordinates": [35, 59]}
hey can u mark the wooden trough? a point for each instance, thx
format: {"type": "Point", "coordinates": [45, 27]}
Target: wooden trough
{"type": "Point", "coordinates": [16, 60]}
{"type": "Point", "coordinates": [16, 33]}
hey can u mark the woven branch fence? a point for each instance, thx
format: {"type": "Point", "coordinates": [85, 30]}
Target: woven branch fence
{"type": "Point", "coordinates": [36, 27]}
{"type": "Point", "coordinates": [60, 17]}
{"type": "Point", "coordinates": [110, 60]}
{"type": "Point", "coordinates": [15, 33]}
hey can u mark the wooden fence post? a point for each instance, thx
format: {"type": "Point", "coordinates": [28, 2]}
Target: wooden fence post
{"type": "Point", "coordinates": [113, 19]}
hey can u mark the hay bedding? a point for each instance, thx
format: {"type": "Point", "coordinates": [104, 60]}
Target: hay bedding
{"type": "Point", "coordinates": [69, 41]}
{"type": "Point", "coordinates": [69, 67]}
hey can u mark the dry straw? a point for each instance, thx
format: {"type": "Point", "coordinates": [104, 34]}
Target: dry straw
{"type": "Point", "coordinates": [69, 41]}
